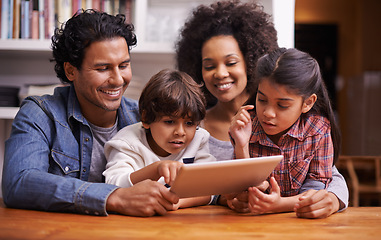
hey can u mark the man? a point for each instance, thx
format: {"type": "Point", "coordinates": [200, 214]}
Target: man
{"type": "Point", "coordinates": [54, 157]}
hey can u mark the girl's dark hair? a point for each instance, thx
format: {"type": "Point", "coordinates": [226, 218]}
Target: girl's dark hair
{"type": "Point", "coordinates": [70, 41]}
{"type": "Point", "coordinates": [300, 73]}
{"type": "Point", "coordinates": [246, 22]}
{"type": "Point", "coordinates": [171, 93]}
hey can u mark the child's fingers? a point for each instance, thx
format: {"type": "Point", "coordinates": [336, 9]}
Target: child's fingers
{"type": "Point", "coordinates": [274, 186]}
{"type": "Point", "coordinates": [247, 107]}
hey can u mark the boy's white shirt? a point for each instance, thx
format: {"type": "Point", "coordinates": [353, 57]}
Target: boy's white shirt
{"type": "Point", "coordinates": [128, 151]}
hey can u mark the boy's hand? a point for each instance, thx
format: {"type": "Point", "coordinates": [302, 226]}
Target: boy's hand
{"type": "Point", "coordinates": [169, 169]}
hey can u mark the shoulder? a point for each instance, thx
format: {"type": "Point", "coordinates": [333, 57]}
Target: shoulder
{"type": "Point", "coordinates": [202, 133]}
{"type": "Point", "coordinates": [52, 106]}
{"type": "Point", "coordinates": [314, 124]}
{"type": "Point", "coordinates": [130, 133]}
{"type": "Point", "coordinates": [129, 104]}
{"type": "Point", "coordinates": [129, 111]}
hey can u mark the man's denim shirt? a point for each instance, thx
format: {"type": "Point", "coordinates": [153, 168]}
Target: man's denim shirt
{"type": "Point", "coordinates": [48, 155]}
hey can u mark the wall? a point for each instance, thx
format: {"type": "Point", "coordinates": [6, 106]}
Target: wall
{"type": "Point", "coordinates": [358, 53]}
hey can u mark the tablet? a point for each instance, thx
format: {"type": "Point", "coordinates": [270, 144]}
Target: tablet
{"type": "Point", "coordinates": [222, 177]}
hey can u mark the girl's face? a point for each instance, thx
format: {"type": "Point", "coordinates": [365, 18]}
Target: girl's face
{"type": "Point", "coordinates": [170, 135]}
{"type": "Point", "coordinates": [278, 109]}
{"type": "Point", "coordinates": [224, 68]}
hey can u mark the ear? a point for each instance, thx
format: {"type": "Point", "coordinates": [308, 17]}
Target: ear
{"type": "Point", "coordinates": [143, 118]}
{"type": "Point", "coordinates": [70, 71]}
{"type": "Point", "coordinates": [309, 103]}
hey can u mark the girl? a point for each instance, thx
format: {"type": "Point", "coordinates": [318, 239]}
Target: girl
{"type": "Point", "coordinates": [293, 117]}
{"type": "Point", "coordinates": [171, 107]}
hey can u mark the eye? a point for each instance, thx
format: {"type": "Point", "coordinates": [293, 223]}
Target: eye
{"type": "Point", "coordinates": [282, 106]}
{"type": "Point", "coordinates": [229, 64]}
{"type": "Point", "coordinates": [190, 123]}
{"type": "Point", "coordinates": [169, 121]}
{"type": "Point", "coordinates": [208, 67]}
{"type": "Point", "coordinates": [124, 65]}
{"type": "Point", "coordinates": [102, 69]}
{"type": "Point", "coordinates": [261, 100]}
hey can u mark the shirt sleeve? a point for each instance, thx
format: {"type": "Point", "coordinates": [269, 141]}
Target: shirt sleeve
{"type": "Point", "coordinates": [122, 160]}
{"type": "Point", "coordinates": [203, 153]}
{"type": "Point", "coordinates": [28, 181]}
{"type": "Point", "coordinates": [338, 186]}
{"type": "Point", "coordinates": [320, 168]}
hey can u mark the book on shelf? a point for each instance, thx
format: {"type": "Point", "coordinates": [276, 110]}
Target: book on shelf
{"type": "Point", "coordinates": [37, 19]}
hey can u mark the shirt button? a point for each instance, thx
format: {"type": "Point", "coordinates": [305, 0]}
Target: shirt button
{"type": "Point", "coordinates": [84, 170]}
{"type": "Point", "coordinates": [67, 168]}
{"type": "Point", "coordinates": [86, 139]}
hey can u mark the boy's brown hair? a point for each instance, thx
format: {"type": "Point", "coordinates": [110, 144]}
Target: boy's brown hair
{"type": "Point", "coordinates": [172, 93]}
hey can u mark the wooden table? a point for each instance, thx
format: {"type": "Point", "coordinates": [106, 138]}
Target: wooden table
{"type": "Point", "coordinates": [207, 222]}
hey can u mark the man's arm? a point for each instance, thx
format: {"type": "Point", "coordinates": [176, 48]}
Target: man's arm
{"type": "Point", "coordinates": [38, 176]}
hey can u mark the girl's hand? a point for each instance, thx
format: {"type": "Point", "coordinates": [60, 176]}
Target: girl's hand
{"type": "Point", "coordinates": [260, 203]}
{"type": "Point", "coordinates": [239, 201]}
{"type": "Point", "coordinates": [169, 169]}
{"type": "Point", "coordinates": [316, 204]}
{"type": "Point", "coordinates": [240, 127]}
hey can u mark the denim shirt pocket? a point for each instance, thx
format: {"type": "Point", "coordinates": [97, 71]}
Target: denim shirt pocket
{"type": "Point", "coordinates": [65, 165]}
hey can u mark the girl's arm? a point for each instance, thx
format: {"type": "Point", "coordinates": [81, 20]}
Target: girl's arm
{"type": "Point", "coordinates": [240, 131]}
{"type": "Point", "coordinates": [321, 203]}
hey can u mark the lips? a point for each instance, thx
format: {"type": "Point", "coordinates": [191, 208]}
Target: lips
{"type": "Point", "coordinates": [269, 124]}
{"type": "Point", "coordinates": [112, 93]}
{"type": "Point", "coordinates": [177, 144]}
{"type": "Point", "coordinates": [224, 86]}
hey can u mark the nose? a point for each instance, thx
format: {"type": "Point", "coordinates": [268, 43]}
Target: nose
{"type": "Point", "coordinates": [117, 77]}
{"type": "Point", "coordinates": [221, 72]}
{"type": "Point", "coordinates": [269, 112]}
{"type": "Point", "coordinates": [179, 130]}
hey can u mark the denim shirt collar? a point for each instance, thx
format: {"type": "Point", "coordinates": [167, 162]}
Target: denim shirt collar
{"type": "Point", "coordinates": [73, 107]}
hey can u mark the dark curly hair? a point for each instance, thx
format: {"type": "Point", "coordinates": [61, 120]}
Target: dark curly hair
{"type": "Point", "coordinates": [246, 22]}
{"type": "Point", "coordinates": [171, 93]}
{"type": "Point", "coordinates": [85, 27]}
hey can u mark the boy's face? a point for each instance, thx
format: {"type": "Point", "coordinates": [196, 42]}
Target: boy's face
{"type": "Point", "coordinates": [170, 135]}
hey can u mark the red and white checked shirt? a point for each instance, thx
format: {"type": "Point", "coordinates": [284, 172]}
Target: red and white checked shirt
{"type": "Point", "coordinates": [307, 149]}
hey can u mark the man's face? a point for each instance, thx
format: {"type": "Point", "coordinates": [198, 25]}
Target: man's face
{"type": "Point", "coordinates": [103, 78]}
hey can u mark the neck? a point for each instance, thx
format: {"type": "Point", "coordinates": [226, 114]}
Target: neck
{"type": "Point", "coordinates": [229, 109]}
{"type": "Point", "coordinates": [106, 119]}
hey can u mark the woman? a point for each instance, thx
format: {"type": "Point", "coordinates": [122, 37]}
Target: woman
{"type": "Point", "coordinates": [219, 46]}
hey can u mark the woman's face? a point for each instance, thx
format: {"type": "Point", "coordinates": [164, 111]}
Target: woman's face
{"type": "Point", "coordinates": [224, 68]}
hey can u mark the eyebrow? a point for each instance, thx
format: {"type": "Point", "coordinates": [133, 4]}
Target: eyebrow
{"type": "Point", "coordinates": [280, 99]}
{"type": "Point", "coordinates": [229, 55]}
{"type": "Point", "coordinates": [106, 64]}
